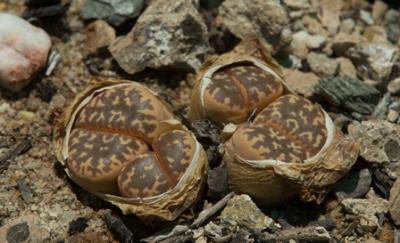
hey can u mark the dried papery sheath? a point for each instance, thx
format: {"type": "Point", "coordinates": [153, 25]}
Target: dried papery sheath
{"type": "Point", "coordinates": [120, 141]}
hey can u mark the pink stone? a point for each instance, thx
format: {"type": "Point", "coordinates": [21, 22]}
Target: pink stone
{"type": "Point", "coordinates": [23, 51]}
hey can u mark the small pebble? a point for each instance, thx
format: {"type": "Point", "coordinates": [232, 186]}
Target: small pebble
{"type": "Point", "coordinates": [77, 225]}
{"type": "Point", "coordinates": [394, 86]}
{"type": "Point", "coordinates": [27, 116]}
{"type": "Point", "coordinates": [25, 190]}
{"type": "Point", "coordinates": [366, 17]}
{"type": "Point", "coordinates": [4, 107]}
{"type": "Point", "coordinates": [392, 115]}
{"type": "Point", "coordinates": [53, 214]}
{"type": "Point", "coordinates": [395, 106]}
{"type": "Point", "coordinates": [18, 233]}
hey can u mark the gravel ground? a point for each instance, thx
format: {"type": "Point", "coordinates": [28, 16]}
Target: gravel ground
{"type": "Point", "coordinates": [33, 184]}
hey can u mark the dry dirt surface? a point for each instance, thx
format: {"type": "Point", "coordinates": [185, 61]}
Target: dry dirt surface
{"type": "Point", "coordinates": [322, 46]}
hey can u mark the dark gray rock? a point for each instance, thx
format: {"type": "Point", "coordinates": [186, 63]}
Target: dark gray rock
{"type": "Point", "coordinates": [77, 225]}
{"type": "Point", "coordinates": [27, 228]}
{"type": "Point", "coordinates": [354, 186]}
{"type": "Point", "coordinates": [382, 182]}
{"type": "Point", "coordinates": [208, 134]}
{"type": "Point", "coordinates": [18, 233]}
{"type": "Point", "coordinates": [118, 228]}
{"type": "Point", "coordinates": [348, 93]}
{"type": "Point", "coordinates": [392, 25]}
{"type": "Point", "coordinates": [114, 12]}
{"type": "Point", "coordinates": [217, 182]}
{"type": "Point", "coordinates": [169, 34]}
{"type": "Point", "coordinates": [25, 190]}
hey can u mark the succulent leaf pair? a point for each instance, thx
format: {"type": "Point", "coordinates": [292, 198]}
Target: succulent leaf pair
{"type": "Point", "coordinates": [121, 142]}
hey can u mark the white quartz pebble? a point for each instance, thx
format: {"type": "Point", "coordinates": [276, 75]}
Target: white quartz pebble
{"type": "Point", "coordinates": [23, 51]}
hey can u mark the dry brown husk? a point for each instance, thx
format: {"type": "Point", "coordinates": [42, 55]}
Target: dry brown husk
{"type": "Point", "coordinates": [276, 183]}
{"type": "Point", "coordinates": [167, 206]}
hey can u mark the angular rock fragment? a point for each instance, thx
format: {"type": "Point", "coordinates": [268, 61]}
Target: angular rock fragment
{"type": "Point", "coordinates": [169, 34]}
{"type": "Point", "coordinates": [25, 190]}
{"type": "Point", "coordinates": [297, 4]}
{"type": "Point", "coordinates": [347, 26]}
{"type": "Point", "coordinates": [23, 51]}
{"type": "Point", "coordinates": [366, 17]}
{"type": "Point", "coordinates": [314, 26]}
{"type": "Point", "coordinates": [394, 86]}
{"type": "Point", "coordinates": [379, 9]}
{"type": "Point", "coordinates": [77, 225]}
{"type": "Point", "coordinates": [383, 180]}
{"type": "Point", "coordinates": [392, 25]}
{"type": "Point", "coordinates": [366, 209]}
{"type": "Point", "coordinates": [355, 186]}
{"type": "Point", "coordinates": [301, 82]}
{"type": "Point", "coordinates": [299, 234]}
{"type": "Point", "coordinates": [322, 65]}
{"type": "Point", "coordinates": [375, 34]}
{"type": "Point", "coordinates": [217, 232]}
{"type": "Point", "coordinates": [98, 35]}
{"type": "Point", "coordinates": [350, 94]}
{"type": "Point", "coordinates": [392, 115]}
{"type": "Point", "coordinates": [381, 108]}
{"type": "Point", "coordinates": [342, 42]}
{"type": "Point", "coordinates": [374, 60]}
{"type": "Point", "coordinates": [303, 42]}
{"type": "Point", "coordinates": [114, 12]}
{"type": "Point", "coordinates": [394, 201]}
{"type": "Point", "coordinates": [217, 182]}
{"type": "Point", "coordinates": [266, 19]}
{"type": "Point", "coordinates": [241, 210]}
{"type": "Point", "coordinates": [331, 14]}
{"type": "Point", "coordinates": [380, 141]}
{"type": "Point", "coordinates": [346, 68]}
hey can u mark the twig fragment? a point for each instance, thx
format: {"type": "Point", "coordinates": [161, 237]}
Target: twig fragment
{"type": "Point", "coordinates": [307, 234]}
{"type": "Point", "coordinates": [207, 213]}
{"type": "Point", "coordinates": [203, 217]}
{"type": "Point", "coordinates": [54, 59]}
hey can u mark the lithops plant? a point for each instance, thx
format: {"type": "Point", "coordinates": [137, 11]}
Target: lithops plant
{"type": "Point", "coordinates": [278, 144]}
{"type": "Point", "coordinates": [120, 141]}
{"type": "Point", "coordinates": [230, 87]}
